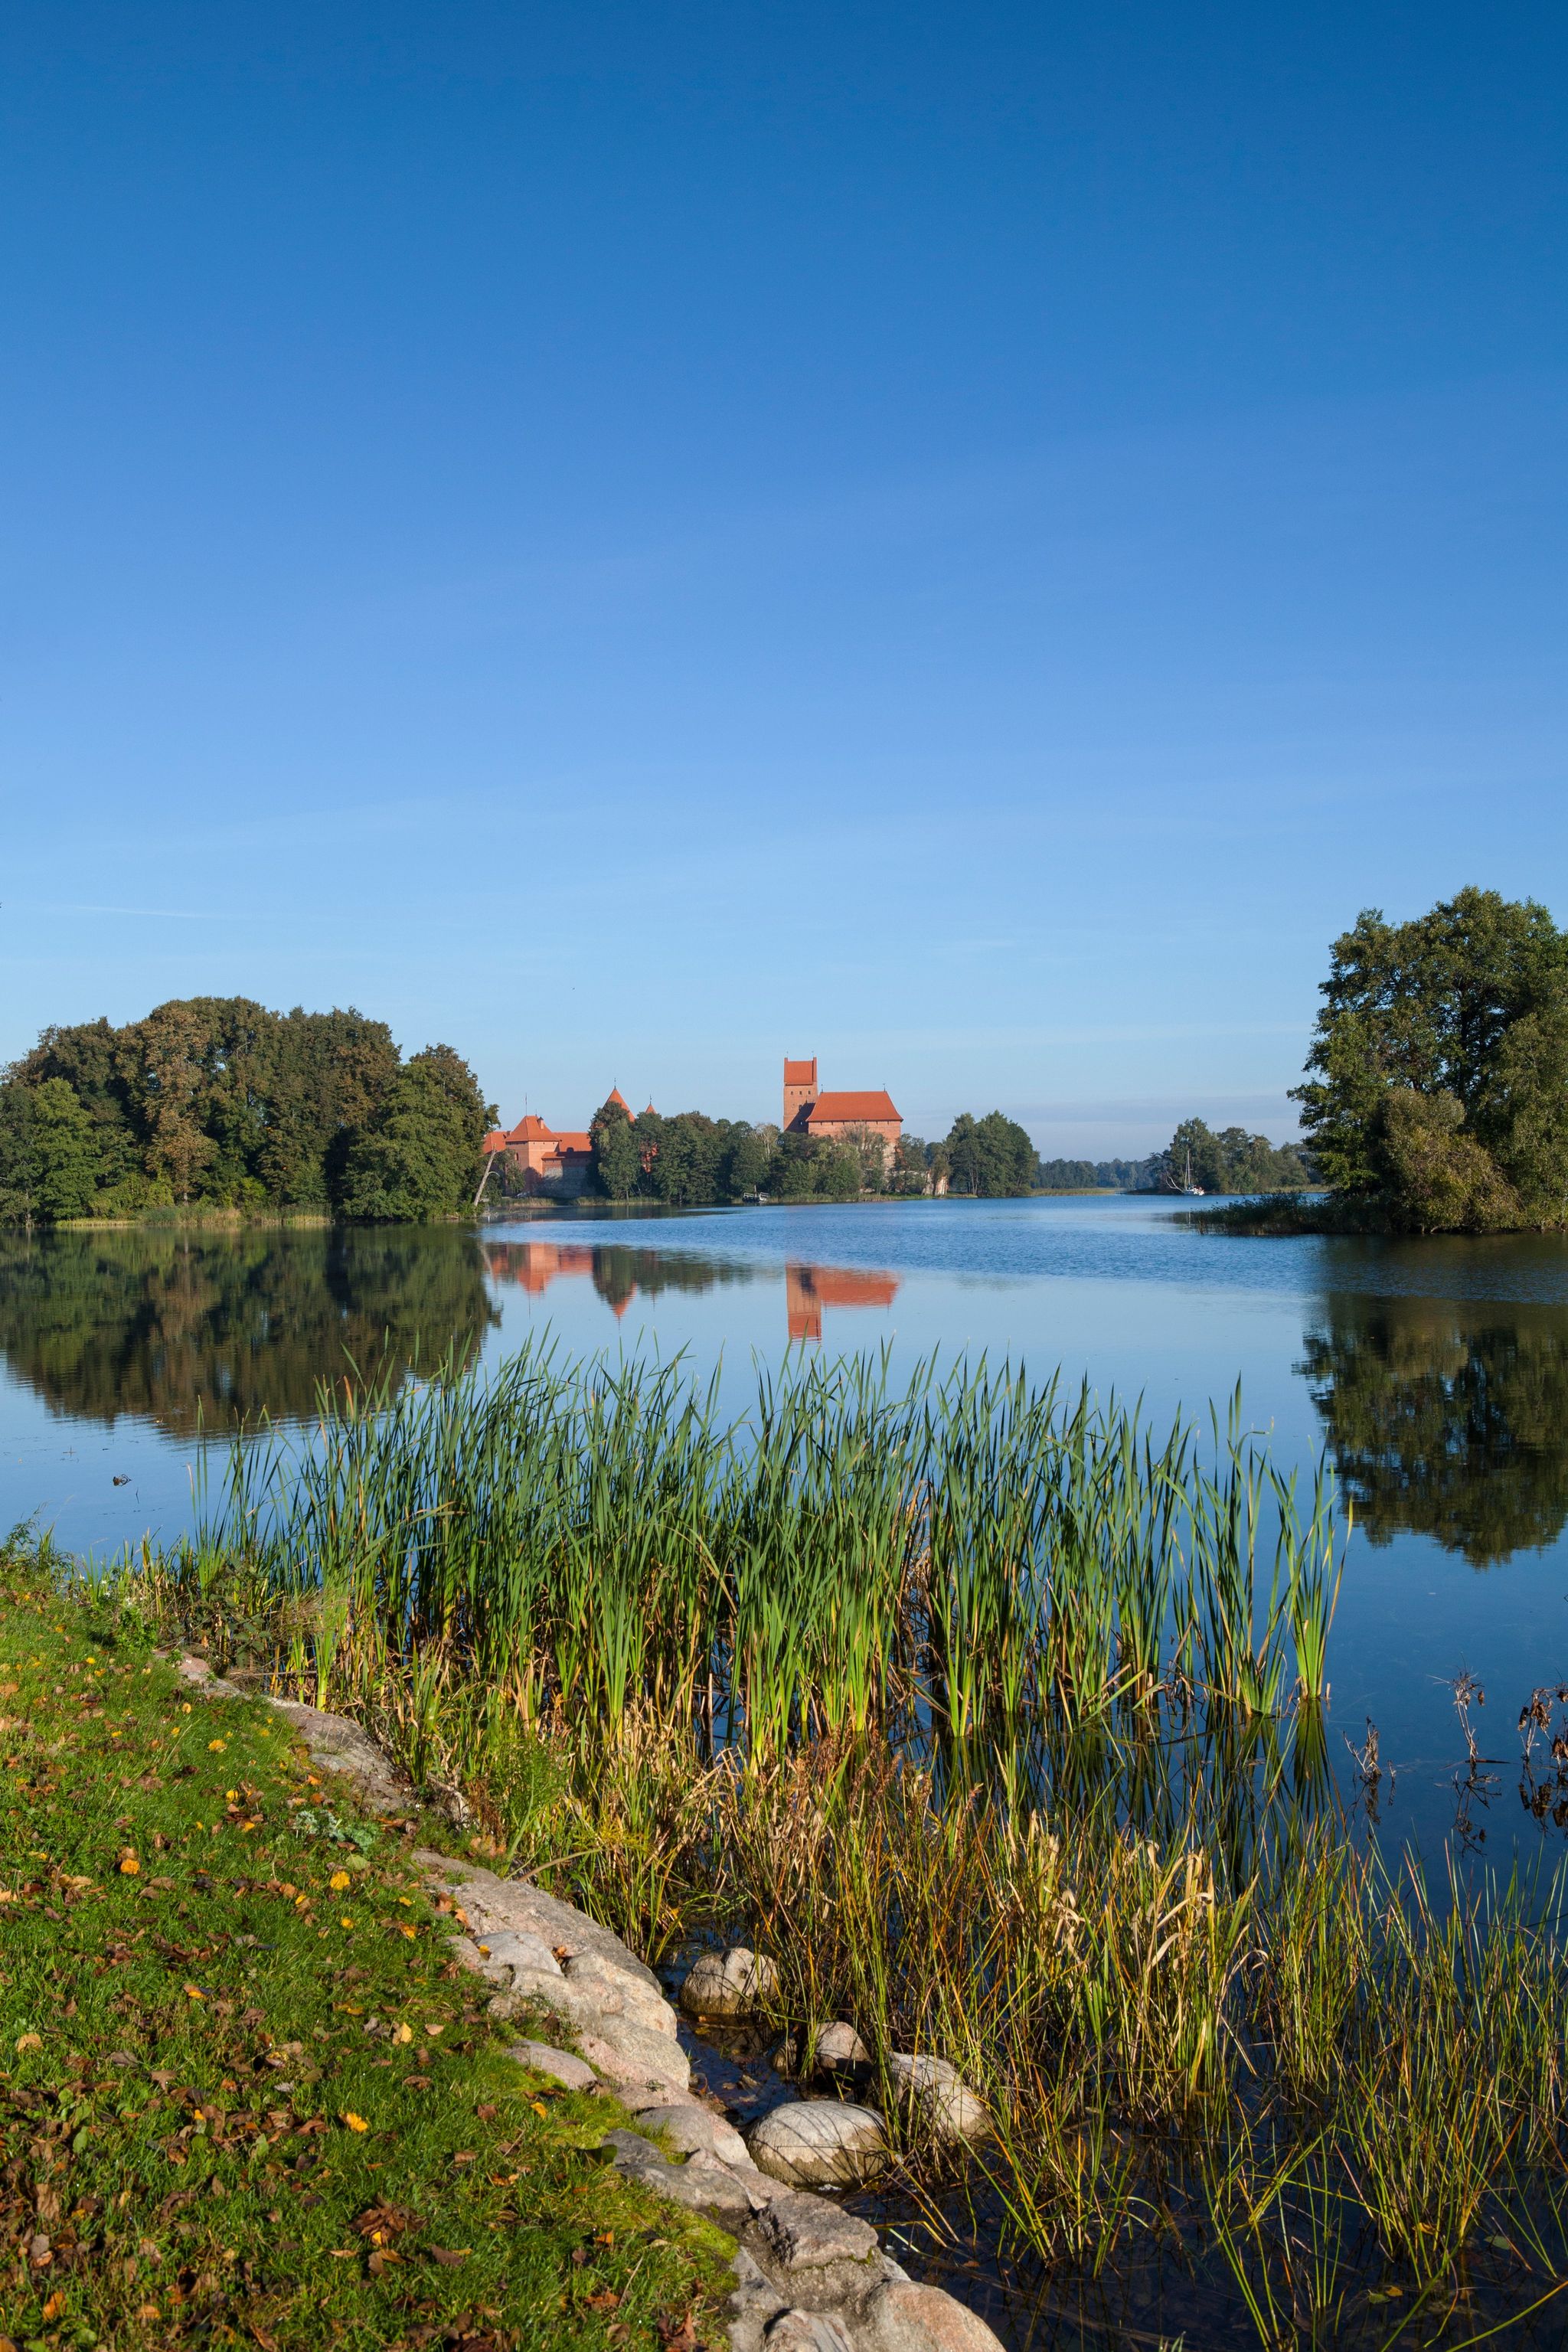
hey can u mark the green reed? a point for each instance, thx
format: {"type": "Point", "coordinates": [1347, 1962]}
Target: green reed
{"type": "Point", "coordinates": [966, 1553]}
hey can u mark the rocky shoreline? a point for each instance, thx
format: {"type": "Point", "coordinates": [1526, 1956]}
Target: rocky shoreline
{"type": "Point", "coordinates": [809, 2276]}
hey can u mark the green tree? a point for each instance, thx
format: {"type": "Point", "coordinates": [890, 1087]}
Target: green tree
{"type": "Point", "coordinates": [910, 1174]}
{"type": "Point", "coordinates": [991, 1156]}
{"type": "Point", "coordinates": [1231, 1161]}
{"type": "Point", "coordinates": [65, 1151]}
{"type": "Point", "coordinates": [1444, 1180]}
{"type": "Point", "coordinates": [1462, 1002]}
{"type": "Point", "coordinates": [1523, 1107]}
{"type": "Point", "coordinates": [617, 1163]}
{"type": "Point", "coordinates": [745, 1162]}
{"type": "Point", "coordinates": [421, 1158]}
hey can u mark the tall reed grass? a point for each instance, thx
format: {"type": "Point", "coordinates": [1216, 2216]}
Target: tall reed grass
{"type": "Point", "coordinates": [967, 1552]}
{"type": "Point", "coordinates": [998, 1718]}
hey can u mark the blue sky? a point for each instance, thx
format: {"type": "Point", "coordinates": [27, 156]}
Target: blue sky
{"type": "Point", "coordinates": [968, 540]}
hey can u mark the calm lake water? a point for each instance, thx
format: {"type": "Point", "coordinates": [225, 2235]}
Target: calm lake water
{"type": "Point", "coordinates": [1435, 1373]}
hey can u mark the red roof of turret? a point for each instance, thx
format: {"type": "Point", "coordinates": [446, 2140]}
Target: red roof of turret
{"type": "Point", "coordinates": [615, 1096]}
{"type": "Point", "coordinates": [532, 1130]}
{"type": "Point", "coordinates": [800, 1073]}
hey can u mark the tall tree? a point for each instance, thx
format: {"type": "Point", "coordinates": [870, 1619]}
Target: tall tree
{"type": "Point", "coordinates": [420, 1159]}
{"type": "Point", "coordinates": [991, 1156]}
{"type": "Point", "coordinates": [1426, 1006]}
{"type": "Point", "coordinates": [617, 1165]}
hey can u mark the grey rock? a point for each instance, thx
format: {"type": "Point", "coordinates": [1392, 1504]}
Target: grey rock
{"type": "Point", "coordinates": [816, 2143]}
{"type": "Point", "coordinates": [838, 2046]}
{"type": "Point", "coordinates": [819, 2258]}
{"type": "Point", "coordinates": [694, 2128]}
{"type": "Point", "coordinates": [703, 2185]}
{"type": "Point", "coordinates": [623, 2051]}
{"type": "Point", "coordinates": [561, 2065]}
{"type": "Point", "coordinates": [728, 1984]}
{"type": "Point", "coordinates": [202, 1679]}
{"type": "Point", "coordinates": [939, 2097]}
{"type": "Point", "coordinates": [636, 2097]}
{"type": "Point", "coordinates": [799, 2234]}
{"type": "Point", "coordinates": [903, 2318]}
{"type": "Point", "coordinates": [806, 2331]}
{"type": "Point", "coordinates": [498, 1903]}
{"type": "Point", "coordinates": [616, 1991]}
{"type": "Point", "coordinates": [514, 1948]}
{"type": "Point", "coordinates": [528, 1986]}
{"type": "Point", "coordinates": [338, 1745]}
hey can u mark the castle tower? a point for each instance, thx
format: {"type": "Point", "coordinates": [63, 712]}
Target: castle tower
{"type": "Point", "coordinates": [799, 1090]}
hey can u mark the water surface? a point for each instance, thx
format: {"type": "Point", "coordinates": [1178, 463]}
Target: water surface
{"type": "Point", "coordinates": [1436, 1373]}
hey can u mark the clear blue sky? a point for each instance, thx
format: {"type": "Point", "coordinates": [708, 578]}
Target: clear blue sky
{"type": "Point", "coordinates": [964, 540]}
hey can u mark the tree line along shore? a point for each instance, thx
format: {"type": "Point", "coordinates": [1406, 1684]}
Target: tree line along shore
{"type": "Point", "coordinates": [1435, 1100]}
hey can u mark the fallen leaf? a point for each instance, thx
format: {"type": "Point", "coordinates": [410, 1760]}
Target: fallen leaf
{"type": "Point", "coordinates": [355, 2123]}
{"type": "Point", "coordinates": [28, 2041]}
{"type": "Point", "coordinates": [216, 1747]}
{"type": "Point", "coordinates": [448, 2254]}
{"type": "Point", "coordinates": [338, 1881]}
{"type": "Point", "coordinates": [130, 1865]}
{"type": "Point", "coordinates": [402, 2033]}
{"type": "Point", "coordinates": [194, 1992]}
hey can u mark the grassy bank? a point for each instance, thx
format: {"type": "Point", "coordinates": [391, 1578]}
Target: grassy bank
{"type": "Point", "coordinates": [1000, 1721]}
{"type": "Point", "coordinates": [245, 2096]}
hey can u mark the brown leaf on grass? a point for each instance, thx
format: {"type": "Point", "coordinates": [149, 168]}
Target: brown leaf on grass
{"type": "Point", "coordinates": [607, 2299]}
{"type": "Point", "coordinates": [677, 2335]}
{"type": "Point", "coordinates": [386, 2220]}
{"type": "Point", "coordinates": [448, 2255]}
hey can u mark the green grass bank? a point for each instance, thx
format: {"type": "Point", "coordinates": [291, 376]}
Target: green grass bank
{"type": "Point", "coordinates": [245, 2095]}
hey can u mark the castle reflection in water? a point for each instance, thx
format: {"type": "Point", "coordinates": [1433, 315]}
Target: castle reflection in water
{"type": "Point", "coordinates": [620, 1273]}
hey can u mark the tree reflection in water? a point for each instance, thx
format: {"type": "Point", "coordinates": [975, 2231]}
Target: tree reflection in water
{"type": "Point", "coordinates": [179, 1325]}
{"type": "Point", "coordinates": [1447, 1419]}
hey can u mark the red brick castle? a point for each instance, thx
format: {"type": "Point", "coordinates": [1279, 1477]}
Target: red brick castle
{"type": "Point", "coordinates": [809, 1111]}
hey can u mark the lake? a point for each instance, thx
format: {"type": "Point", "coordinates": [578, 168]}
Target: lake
{"type": "Point", "coordinates": [1435, 1373]}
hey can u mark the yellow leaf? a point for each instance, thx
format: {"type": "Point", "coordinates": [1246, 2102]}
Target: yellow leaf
{"type": "Point", "coordinates": [128, 1865]}
{"type": "Point", "coordinates": [402, 2033]}
{"type": "Point", "coordinates": [194, 1992]}
{"type": "Point", "coordinates": [28, 2041]}
{"type": "Point", "coordinates": [54, 2306]}
{"type": "Point", "coordinates": [404, 1929]}
{"type": "Point", "coordinates": [216, 1747]}
{"type": "Point", "coordinates": [338, 1881]}
{"type": "Point", "coordinates": [540, 2108]}
{"type": "Point", "coordinates": [345, 1923]}
{"type": "Point", "coordinates": [355, 2123]}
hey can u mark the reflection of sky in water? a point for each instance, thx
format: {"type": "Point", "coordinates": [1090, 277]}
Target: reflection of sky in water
{"type": "Point", "coordinates": [1437, 1371]}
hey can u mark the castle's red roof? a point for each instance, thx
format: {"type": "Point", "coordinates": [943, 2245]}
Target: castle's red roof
{"type": "Point", "coordinates": [532, 1130]}
{"type": "Point", "coordinates": [574, 1142]}
{"type": "Point", "coordinates": [494, 1141]}
{"type": "Point", "coordinates": [857, 1109]}
{"type": "Point", "coordinates": [801, 1073]}
{"type": "Point", "coordinates": [615, 1096]}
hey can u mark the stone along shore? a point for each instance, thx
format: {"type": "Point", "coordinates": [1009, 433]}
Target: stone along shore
{"type": "Point", "coordinates": [809, 2276]}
